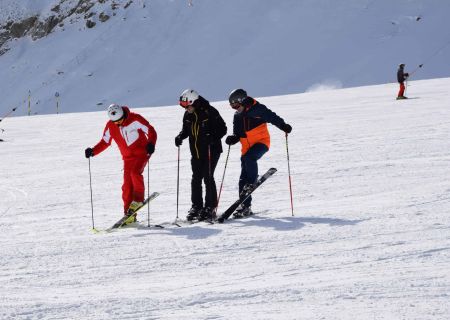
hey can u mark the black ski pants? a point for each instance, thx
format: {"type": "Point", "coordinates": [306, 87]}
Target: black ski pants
{"type": "Point", "coordinates": [203, 171]}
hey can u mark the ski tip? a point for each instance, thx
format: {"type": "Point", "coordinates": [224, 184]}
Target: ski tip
{"type": "Point", "coordinates": [97, 231]}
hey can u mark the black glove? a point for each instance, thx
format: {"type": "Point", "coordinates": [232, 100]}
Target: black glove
{"type": "Point", "coordinates": [287, 128]}
{"type": "Point", "coordinates": [406, 74]}
{"type": "Point", "coordinates": [89, 152]}
{"type": "Point", "coordinates": [178, 141]}
{"type": "Point", "coordinates": [233, 139]}
{"type": "Point", "coordinates": [150, 148]}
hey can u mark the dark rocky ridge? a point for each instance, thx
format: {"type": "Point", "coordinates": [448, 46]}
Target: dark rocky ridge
{"type": "Point", "coordinates": [37, 28]}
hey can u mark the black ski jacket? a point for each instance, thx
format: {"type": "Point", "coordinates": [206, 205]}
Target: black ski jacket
{"type": "Point", "coordinates": [402, 75]}
{"type": "Point", "coordinates": [204, 126]}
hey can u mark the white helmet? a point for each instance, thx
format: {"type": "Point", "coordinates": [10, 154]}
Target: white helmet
{"type": "Point", "coordinates": [115, 112]}
{"type": "Point", "coordinates": [188, 97]}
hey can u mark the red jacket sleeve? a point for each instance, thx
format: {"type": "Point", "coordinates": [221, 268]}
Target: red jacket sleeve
{"type": "Point", "coordinates": [151, 134]}
{"type": "Point", "coordinates": [105, 142]}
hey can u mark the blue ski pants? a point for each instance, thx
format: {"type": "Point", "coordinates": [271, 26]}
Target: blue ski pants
{"type": "Point", "coordinates": [249, 167]}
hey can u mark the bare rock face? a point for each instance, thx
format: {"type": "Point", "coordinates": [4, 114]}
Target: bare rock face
{"type": "Point", "coordinates": [84, 6]}
{"type": "Point", "coordinates": [5, 35]}
{"type": "Point", "coordinates": [20, 28]}
{"type": "Point", "coordinates": [103, 17]}
{"type": "Point", "coordinates": [43, 28]}
{"type": "Point", "coordinates": [37, 28]}
{"type": "Point", "coordinates": [90, 24]}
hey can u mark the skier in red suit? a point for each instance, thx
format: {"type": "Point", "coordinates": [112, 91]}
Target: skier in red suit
{"type": "Point", "coordinates": [136, 140]}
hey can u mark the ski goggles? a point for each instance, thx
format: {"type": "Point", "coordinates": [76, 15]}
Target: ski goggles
{"type": "Point", "coordinates": [235, 105]}
{"type": "Point", "coordinates": [120, 121]}
{"type": "Point", "coordinates": [184, 102]}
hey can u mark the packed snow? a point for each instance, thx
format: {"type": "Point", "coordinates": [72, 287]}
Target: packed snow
{"type": "Point", "coordinates": [370, 234]}
{"type": "Point", "coordinates": [369, 239]}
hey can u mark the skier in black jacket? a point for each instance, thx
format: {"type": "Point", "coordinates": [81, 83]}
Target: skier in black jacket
{"type": "Point", "coordinates": [401, 78]}
{"type": "Point", "coordinates": [205, 128]}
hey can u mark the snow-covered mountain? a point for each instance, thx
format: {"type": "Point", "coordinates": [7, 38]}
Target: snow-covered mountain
{"type": "Point", "coordinates": [146, 52]}
{"type": "Point", "coordinates": [370, 238]}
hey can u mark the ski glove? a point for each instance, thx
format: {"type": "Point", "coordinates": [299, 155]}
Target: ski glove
{"type": "Point", "coordinates": [287, 128]}
{"type": "Point", "coordinates": [89, 152]}
{"type": "Point", "coordinates": [233, 139]}
{"type": "Point", "coordinates": [150, 148]}
{"type": "Point", "coordinates": [178, 141]}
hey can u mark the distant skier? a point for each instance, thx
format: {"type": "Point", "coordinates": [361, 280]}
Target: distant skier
{"type": "Point", "coordinates": [136, 140]}
{"type": "Point", "coordinates": [401, 78]}
{"type": "Point", "coordinates": [250, 128]}
{"type": "Point", "coordinates": [205, 128]}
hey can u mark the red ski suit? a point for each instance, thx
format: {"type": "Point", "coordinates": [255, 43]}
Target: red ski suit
{"type": "Point", "coordinates": [132, 137]}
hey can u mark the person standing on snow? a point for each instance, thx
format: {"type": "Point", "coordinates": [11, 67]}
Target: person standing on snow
{"type": "Point", "coordinates": [205, 128]}
{"type": "Point", "coordinates": [401, 78]}
{"type": "Point", "coordinates": [250, 128]}
{"type": "Point", "coordinates": [136, 140]}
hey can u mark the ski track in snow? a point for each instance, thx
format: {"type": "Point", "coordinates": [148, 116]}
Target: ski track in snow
{"type": "Point", "coordinates": [370, 238]}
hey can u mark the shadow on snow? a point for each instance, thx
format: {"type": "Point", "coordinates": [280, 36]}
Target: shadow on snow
{"type": "Point", "coordinates": [195, 232]}
{"type": "Point", "coordinates": [291, 223]}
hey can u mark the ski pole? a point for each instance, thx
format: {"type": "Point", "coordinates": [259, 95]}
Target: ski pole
{"type": "Point", "coordinates": [148, 192]}
{"type": "Point", "coordinates": [92, 202]}
{"type": "Point", "coordinates": [289, 173]}
{"type": "Point", "coordinates": [430, 57]}
{"type": "Point", "coordinates": [148, 196]}
{"type": "Point", "coordinates": [223, 178]}
{"type": "Point", "coordinates": [210, 181]}
{"type": "Point", "coordinates": [8, 113]}
{"type": "Point", "coordinates": [178, 179]}
{"type": "Point", "coordinates": [415, 70]}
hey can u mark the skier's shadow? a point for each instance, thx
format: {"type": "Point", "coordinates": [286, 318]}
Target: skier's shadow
{"type": "Point", "coordinates": [292, 223]}
{"type": "Point", "coordinates": [193, 232]}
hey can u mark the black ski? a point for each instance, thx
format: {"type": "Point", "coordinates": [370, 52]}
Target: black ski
{"type": "Point", "coordinates": [125, 219]}
{"type": "Point", "coordinates": [244, 195]}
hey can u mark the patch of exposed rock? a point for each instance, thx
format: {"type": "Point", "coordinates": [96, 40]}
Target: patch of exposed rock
{"type": "Point", "coordinates": [36, 27]}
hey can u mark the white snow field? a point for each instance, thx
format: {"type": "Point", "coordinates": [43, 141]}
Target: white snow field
{"type": "Point", "coordinates": [370, 238]}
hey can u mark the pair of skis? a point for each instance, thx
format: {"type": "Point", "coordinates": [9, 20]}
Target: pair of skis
{"type": "Point", "coordinates": [245, 194]}
{"type": "Point", "coordinates": [221, 219]}
{"type": "Point", "coordinates": [127, 219]}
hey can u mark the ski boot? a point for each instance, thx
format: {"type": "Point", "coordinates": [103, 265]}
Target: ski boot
{"type": "Point", "coordinates": [193, 213]}
{"type": "Point", "coordinates": [242, 211]}
{"type": "Point", "coordinates": [247, 188]}
{"type": "Point", "coordinates": [131, 213]}
{"type": "Point", "coordinates": [206, 214]}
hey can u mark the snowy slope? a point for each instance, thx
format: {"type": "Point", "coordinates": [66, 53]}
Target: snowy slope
{"type": "Point", "coordinates": [370, 238]}
{"type": "Point", "coordinates": [147, 54]}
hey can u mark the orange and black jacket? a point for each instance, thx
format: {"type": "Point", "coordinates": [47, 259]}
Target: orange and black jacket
{"type": "Point", "coordinates": [204, 126]}
{"type": "Point", "coordinates": [251, 124]}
